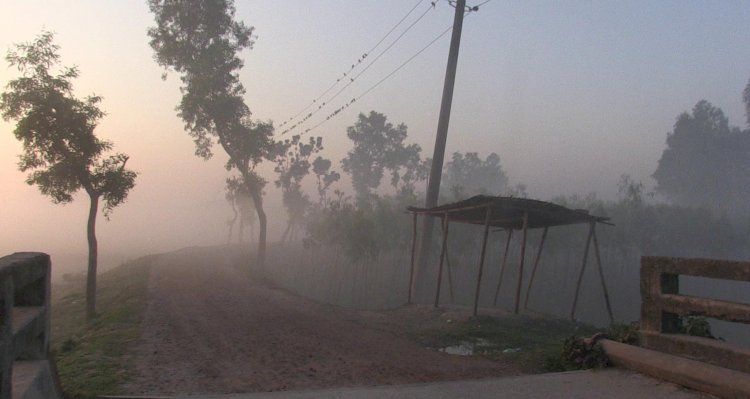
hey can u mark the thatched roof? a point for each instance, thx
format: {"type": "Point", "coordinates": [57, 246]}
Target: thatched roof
{"type": "Point", "coordinates": [508, 212]}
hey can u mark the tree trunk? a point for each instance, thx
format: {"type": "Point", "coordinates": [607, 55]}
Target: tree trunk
{"type": "Point", "coordinates": [232, 222]}
{"type": "Point", "coordinates": [286, 232]}
{"type": "Point", "coordinates": [262, 225]}
{"type": "Point", "coordinates": [241, 231]}
{"type": "Point", "coordinates": [93, 255]}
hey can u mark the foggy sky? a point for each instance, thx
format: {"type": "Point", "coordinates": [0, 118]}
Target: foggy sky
{"type": "Point", "coordinates": [570, 95]}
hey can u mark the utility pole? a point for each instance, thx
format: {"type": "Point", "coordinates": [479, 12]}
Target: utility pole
{"type": "Point", "coordinates": [433, 184]}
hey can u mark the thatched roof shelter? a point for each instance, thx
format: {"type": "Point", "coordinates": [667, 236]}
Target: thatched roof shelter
{"type": "Point", "coordinates": [508, 212]}
{"type": "Point", "coordinates": [511, 213]}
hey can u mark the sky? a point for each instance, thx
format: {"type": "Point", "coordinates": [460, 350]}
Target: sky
{"type": "Point", "coordinates": [570, 94]}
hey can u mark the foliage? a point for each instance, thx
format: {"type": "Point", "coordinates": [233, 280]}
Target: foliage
{"type": "Point", "coordinates": [325, 177]}
{"type": "Point", "coordinates": [379, 146]}
{"type": "Point", "coordinates": [91, 358]}
{"type": "Point", "coordinates": [292, 158]}
{"type": "Point", "coordinates": [200, 40]}
{"type": "Point", "coordinates": [706, 162]}
{"type": "Point", "coordinates": [643, 227]}
{"type": "Point", "coordinates": [467, 175]}
{"type": "Point", "coordinates": [60, 150]}
{"type": "Point", "coordinates": [242, 206]}
{"type": "Point", "coordinates": [578, 353]}
{"type": "Point", "coordinates": [361, 232]}
{"type": "Point", "coordinates": [696, 326]}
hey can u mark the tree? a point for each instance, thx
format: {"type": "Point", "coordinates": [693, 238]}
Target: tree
{"type": "Point", "coordinates": [467, 175]}
{"type": "Point", "coordinates": [60, 150]}
{"type": "Point", "coordinates": [378, 146]}
{"type": "Point", "coordinates": [746, 99]}
{"type": "Point", "coordinates": [292, 158]}
{"type": "Point", "coordinates": [242, 208]}
{"type": "Point", "coordinates": [706, 162]}
{"type": "Point", "coordinates": [325, 177]}
{"type": "Point", "coordinates": [200, 40]}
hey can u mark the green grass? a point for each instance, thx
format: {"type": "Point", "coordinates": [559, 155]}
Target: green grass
{"type": "Point", "coordinates": [525, 341]}
{"type": "Point", "coordinates": [91, 358]}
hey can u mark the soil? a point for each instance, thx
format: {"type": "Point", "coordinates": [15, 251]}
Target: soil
{"type": "Point", "coordinates": [211, 326]}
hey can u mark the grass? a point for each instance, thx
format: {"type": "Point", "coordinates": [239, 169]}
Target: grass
{"type": "Point", "coordinates": [525, 341]}
{"type": "Point", "coordinates": [91, 358]}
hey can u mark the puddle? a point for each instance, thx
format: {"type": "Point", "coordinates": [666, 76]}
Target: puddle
{"type": "Point", "coordinates": [466, 348]}
{"type": "Point", "coordinates": [480, 346]}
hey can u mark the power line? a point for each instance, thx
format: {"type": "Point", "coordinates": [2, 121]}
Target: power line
{"type": "Point", "coordinates": [482, 3]}
{"type": "Point", "coordinates": [354, 66]}
{"type": "Point", "coordinates": [386, 77]}
{"type": "Point", "coordinates": [346, 105]}
{"type": "Point", "coordinates": [352, 79]}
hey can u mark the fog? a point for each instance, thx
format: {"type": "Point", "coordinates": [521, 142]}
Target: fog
{"type": "Point", "coordinates": [570, 96]}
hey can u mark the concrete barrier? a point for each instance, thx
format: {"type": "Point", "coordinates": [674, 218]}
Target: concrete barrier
{"type": "Point", "coordinates": [25, 371]}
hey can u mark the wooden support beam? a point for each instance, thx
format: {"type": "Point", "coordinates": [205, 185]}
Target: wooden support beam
{"type": "Point", "coordinates": [502, 266]}
{"type": "Point", "coordinates": [580, 275]}
{"type": "Point", "coordinates": [442, 257]}
{"type": "Point", "coordinates": [413, 256]}
{"type": "Point", "coordinates": [601, 273]}
{"type": "Point", "coordinates": [481, 258]}
{"type": "Point", "coordinates": [533, 270]}
{"type": "Point", "coordinates": [448, 269]}
{"type": "Point", "coordinates": [523, 255]}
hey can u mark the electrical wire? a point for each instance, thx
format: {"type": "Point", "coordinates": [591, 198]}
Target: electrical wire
{"type": "Point", "coordinates": [386, 77]}
{"type": "Point", "coordinates": [352, 79]}
{"type": "Point", "coordinates": [359, 61]}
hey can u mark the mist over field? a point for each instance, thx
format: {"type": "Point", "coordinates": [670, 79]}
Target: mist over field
{"type": "Point", "coordinates": [637, 111]}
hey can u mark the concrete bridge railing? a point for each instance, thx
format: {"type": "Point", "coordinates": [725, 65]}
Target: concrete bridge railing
{"type": "Point", "coordinates": [24, 320]}
{"type": "Point", "coordinates": [703, 364]}
{"type": "Point", "coordinates": [663, 305]}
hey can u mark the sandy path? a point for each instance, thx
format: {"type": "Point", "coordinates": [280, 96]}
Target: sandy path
{"type": "Point", "coordinates": [210, 328]}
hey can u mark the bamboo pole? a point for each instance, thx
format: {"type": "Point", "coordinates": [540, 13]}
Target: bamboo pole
{"type": "Point", "coordinates": [583, 268]}
{"type": "Point", "coordinates": [442, 257]}
{"type": "Point", "coordinates": [523, 254]}
{"type": "Point", "coordinates": [450, 274]}
{"type": "Point", "coordinates": [601, 274]}
{"type": "Point", "coordinates": [481, 258]}
{"type": "Point", "coordinates": [413, 256]}
{"type": "Point", "coordinates": [533, 271]}
{"type": "Point", "coordinates": [502, 266]}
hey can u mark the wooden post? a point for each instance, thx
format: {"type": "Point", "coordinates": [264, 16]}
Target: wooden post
{"type": "Point", "coordinates": [533, 271]}
{"type": "Point", "coordinates": [502, 266]}
{"type": "Point", "coordinates": [481, 258]}
{"type": "Point", "coordinates": [413, 255]}
{"type": "Point", "coordinates": [448, 269]}
{"type": "Point", "coordinates": [601, 273]}
{"type": "Point", "coordinates": [442, 256]}
{"type": "Point", "coordinates": [523, 254]}
{"type": "Point", "coordinates": [583, 268]}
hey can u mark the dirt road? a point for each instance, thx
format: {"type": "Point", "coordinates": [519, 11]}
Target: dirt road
{"type": "Point", "coordinates": [211, 327]}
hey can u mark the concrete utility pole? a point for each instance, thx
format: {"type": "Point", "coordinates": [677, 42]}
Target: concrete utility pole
{"type": "Point", "coordinates": [433, 184]}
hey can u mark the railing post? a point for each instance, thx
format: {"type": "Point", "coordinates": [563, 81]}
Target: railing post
{"type": "Point", "coordinates": [24, 312]}
{"type": "Point", "coordinates": [669, 284]}
{"type": "Point", "coordinates": [6, 333]}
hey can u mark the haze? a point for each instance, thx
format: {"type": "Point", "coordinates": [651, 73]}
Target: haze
{"type": "Point", "coordinates": [570, 95]}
